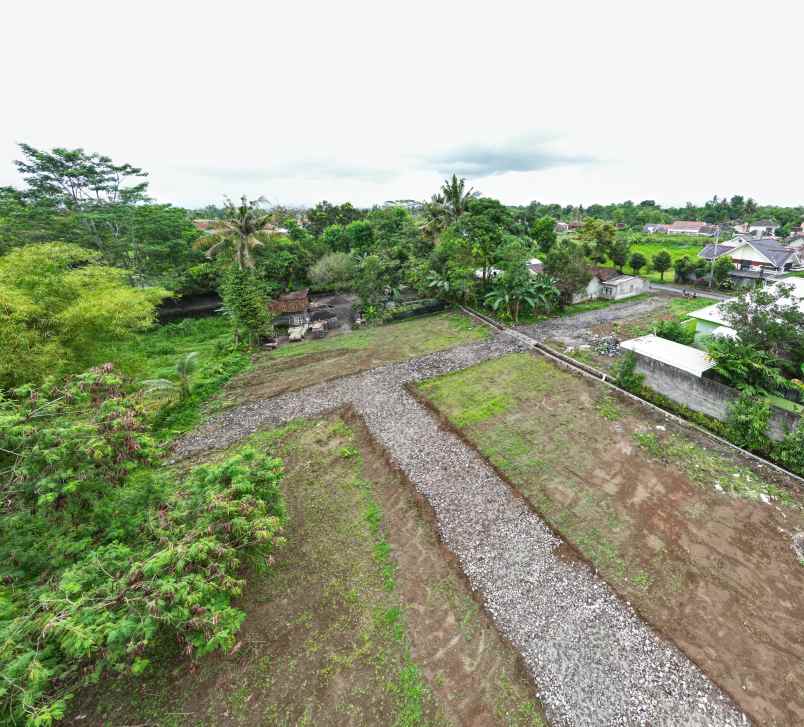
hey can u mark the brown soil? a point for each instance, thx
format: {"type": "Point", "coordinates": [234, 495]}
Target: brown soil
{"type": "Point", "coordinates": [714, 573]}
{"type": "Point", "coordinates": [316, 646]}
{"type": "Point", "coordinates": [474, 670]}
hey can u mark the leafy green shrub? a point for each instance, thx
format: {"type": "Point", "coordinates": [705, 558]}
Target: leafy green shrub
{"type": "Point", "coordinates": [748, 422]}
{"type": "Point", "coordinates": [626, 376]}
{"type": "Point", "coordinates": [790, 451]}
{"type": "Point", "coordinates": [675, 331]}
{"type": "Point", "coordinates": [746, 366]}
{"type": "Point", "coordinates": [246, 304]}
{"type": "Point", "coordinates": [101, 554]}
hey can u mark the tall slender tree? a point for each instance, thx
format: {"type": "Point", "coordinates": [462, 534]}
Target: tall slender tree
{"type": "Point", "coordinates": [238, 232]}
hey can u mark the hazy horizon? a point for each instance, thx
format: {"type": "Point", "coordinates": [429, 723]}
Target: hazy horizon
{"type": "Point", "coordinates": [571, 104]}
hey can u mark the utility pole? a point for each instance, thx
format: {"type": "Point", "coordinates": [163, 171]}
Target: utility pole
{"type": "Point", "coordinates": [712, 261]}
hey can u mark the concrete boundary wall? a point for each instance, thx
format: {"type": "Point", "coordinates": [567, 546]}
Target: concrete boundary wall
{"type": "Point", "coordinates": [705, 395]}
{"type": "Point", "coordinates": [588, 372]}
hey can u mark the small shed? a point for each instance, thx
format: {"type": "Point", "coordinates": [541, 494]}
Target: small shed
{"type": "Point", "coordinates": [686, 358]}
{"type": "Point", "coordinates": [291, 309]}
{"type": "Point", "coordinates": [297, 301]}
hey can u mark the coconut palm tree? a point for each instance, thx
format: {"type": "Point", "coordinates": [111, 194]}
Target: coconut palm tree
{"type": "Point", "coordinates": [455, 197]}
{"type": "Point", "coordinates": [238, 232]}
{"type": "Point", "coordinates": [446, 206]}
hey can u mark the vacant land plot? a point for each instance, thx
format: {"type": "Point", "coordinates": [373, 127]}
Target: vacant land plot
{"type": "Point", "coordinates": [295, 366]}
{"type": "Point", "coordinates": [578, 335]}
{"type": "Point", "coordinates": [581, 328]}
{"type": "Point", "coordinates": [362, 621]}
{"type": "Point", "coordinates": [698, 543]}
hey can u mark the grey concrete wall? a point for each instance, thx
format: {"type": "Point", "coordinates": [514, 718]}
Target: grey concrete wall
{"type": "Point", "coordinates": [704, 395]}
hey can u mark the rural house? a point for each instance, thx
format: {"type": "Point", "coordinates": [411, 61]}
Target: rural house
{"type": "Point", "coordinates": [291, 309]}
{"type": "Point", "coordinates": [611, 285]}
{"type": "Point", "coordinates": [686, 227]}
{"type": "Point", "coordinates": [762, 228]}
{"type": "Point", "coordinates": [755, 255]}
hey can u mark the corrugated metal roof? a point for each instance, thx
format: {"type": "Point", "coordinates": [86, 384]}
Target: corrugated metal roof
{"type": "Point", "coordinates": [677, 355]}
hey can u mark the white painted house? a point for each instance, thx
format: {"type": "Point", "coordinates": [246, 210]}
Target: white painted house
{"type": "Point", "coordinates": [754, 254]}
{"type": "Point", "coordinates": [762, 228]}
{"type": "Point", "coordinates": [610, 285]}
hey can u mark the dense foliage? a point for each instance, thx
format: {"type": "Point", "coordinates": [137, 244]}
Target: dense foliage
{"type": "Point", "coordinates": [102, 554]}
{"type": "Point", "coordinates": [57, 303]}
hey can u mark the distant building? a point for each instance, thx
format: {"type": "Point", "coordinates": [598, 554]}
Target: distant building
{"type": "Point", "coordinates": [609, 284]}
{"type": "Point", "coordinates": [292, 309]}
{"type": "Point", "coordinates": [653, 228]}
{"type": "Point", "coordinates": [686, 227]}
{"type": "Point", "coordinates": [762, 228]}
{"type": "Point", "coordinates": [795, 243]}
{"type": "Point", "coordinates": [754, 255]}
{"type": "Point", "coordinates": [535, 266]}
{"type": "Point", "coordinates": [562, 227]}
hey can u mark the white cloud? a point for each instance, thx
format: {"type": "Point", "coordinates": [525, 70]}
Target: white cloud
{"type": "Point", "coordinates": [366, 101]}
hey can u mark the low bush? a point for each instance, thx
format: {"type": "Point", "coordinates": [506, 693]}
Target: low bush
{"type": "Point", "coordinates": [102, 553]}
{"type": "Point", "coordinates": [748, 423]}
{"type": "Point", "coordinates": [625, 374]}
{"type": "Point", "coordinates": [675, 331]}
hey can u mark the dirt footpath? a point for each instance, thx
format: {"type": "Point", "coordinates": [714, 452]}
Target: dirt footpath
{"type": "Point", "coordinates": [577, 330]}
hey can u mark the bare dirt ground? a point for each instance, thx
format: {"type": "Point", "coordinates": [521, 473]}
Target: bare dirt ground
{"type": "Point", "coordinates": [576, 330]}
{"type": "Point", "coordinates": [593, 659]}
{"type": "Point", "coordinates": [363, 621]}
{"type": "Point", "coordinates": [296, 366]}
{"type": "Point", "coordinates": [673, 523]}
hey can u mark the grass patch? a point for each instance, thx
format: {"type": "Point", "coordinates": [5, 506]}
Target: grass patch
{"type": "Point", "coordinates": [607, 408]}
{"type": "Point", "coordinates": [298, 365]}
{"type": "Point", "coordinates": [154, 354]}
{"type": "Point", "coordinates": [711, 470]}
{"type": "Point", "coordinates": [677, 248]}
{"type": "Point", "coordinates": [410, 338]}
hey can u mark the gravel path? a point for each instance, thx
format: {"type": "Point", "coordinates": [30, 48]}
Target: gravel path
{"type": "Point", "coordinates": [576, 330]}
{"type": "Point", "coordinates": [594, 661]}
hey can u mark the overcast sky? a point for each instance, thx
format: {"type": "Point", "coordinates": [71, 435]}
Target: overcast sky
{"type": "Point", "coordinates": [574, 102]}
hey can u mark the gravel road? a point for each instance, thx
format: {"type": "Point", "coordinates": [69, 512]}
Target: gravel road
{"type": "Point", "coordinates": [594, 661]}
{"type": "Point", "coordinates": [576, 330]}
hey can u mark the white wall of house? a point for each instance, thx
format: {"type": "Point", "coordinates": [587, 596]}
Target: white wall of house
{"type": "Point", "coordinates": [748, 252]}
{"type": "Point", "coordinates": [624, 289]}
{"type": "Point", "coordinates": [594, 289]}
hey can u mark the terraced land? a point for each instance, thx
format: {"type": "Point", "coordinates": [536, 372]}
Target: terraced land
{"type": "Point", "coordinates": [697, 542]}
{"type": "Point", "coordinates": [362, 621]}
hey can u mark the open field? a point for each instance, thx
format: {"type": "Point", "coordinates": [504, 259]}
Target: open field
{"type": "Point", "coordinates": [676, 249]}
{"type": "Point", "coordinates": [699, 544]}
{"type": "Point", "coordinates": [298, 365]}
{"type": "Point", "coordinates": [363, 620]}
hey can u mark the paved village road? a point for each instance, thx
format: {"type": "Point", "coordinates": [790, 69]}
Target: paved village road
{"type": "Point", "coordinates": [593, 660]}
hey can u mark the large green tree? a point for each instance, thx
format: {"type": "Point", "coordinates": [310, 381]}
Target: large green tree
{"type": "Point", "coordinates": [57, 303]}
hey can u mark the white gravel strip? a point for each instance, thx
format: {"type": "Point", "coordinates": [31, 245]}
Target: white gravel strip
{"type": "Point", "coordinates": [594, 661]}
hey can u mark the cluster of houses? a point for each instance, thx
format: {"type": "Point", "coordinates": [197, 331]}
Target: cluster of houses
{"type": "Point", "coordinates": [758, 229]}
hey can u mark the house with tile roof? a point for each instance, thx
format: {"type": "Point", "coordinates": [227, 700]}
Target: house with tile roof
{"type": "Point", "coordinates": [687, 227]}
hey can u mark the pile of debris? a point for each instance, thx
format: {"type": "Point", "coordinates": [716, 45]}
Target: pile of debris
{"type": "Point", "coordinates": [605, 345]}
